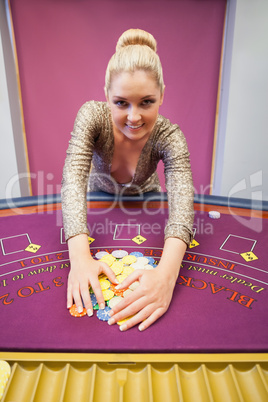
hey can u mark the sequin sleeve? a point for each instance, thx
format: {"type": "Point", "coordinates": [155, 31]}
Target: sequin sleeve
{"type": "Point", "coordinates": [179, 185]}
{"type": "Point", "coordinates": [76, 170]}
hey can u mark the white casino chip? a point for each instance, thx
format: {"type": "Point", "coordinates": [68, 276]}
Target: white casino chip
{"type": "Point", "coordinates": [114, 301]}
{"type": "Point", "coordinates": [134, 285]}
{"type": "Point", "coordinates": [100, 254]}
{"type": "Point", "coordinates": [214, 214]}
{"type": "Point", "coordinates": [142, 260]}
{"type": "Point", "coordinates": [119, 253]}
{"type": "Point", "coordinates": [148, 266]}
{"type": "Point", "coordinates": [137, 265]}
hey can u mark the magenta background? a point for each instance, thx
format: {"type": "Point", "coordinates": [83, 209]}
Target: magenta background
{"type": "Point", "coordinates": [63, 49]}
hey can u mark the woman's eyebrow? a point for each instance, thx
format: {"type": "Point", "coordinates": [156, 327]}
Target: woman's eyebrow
{"type": "Point", "coordinates": [144, 97]}
{"type": "Point", "coordinates": [119, 97]}
{"type": "Point", "coordinates": [148, 96]}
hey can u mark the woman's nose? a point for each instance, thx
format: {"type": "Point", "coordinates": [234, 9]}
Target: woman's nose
{"type": "Point", "coordinates": [133, 114]}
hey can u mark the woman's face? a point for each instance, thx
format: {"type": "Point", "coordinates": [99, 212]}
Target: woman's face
{"type": "Point", "coordinates": [134, 99]}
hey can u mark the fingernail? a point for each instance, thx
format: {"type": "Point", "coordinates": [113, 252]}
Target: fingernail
{"type": "Point", "coordinates": [111, 321]}
{"type": "Point", "coordinates": [102, 306]}
{"type": "Point", "coordinates": [80, 309]}
{"type": "Point", "coordinates": [89, 312]}
{"type": "Point", "coordinates": [118, 286]}
{"type": "Point", "coordinates": [141, 328]}
{"type": "Point", "coordinates": [123, 327]}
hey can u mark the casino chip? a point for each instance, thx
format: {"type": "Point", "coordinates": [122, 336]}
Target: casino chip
{"type": "Point", "coordinates": [104, 284]}
{"type": "Point", "coordinates": [142, 260]}
{"type": "Point", "coordinates": [107, 294]}
{"type": "Point", "coordinates": [114, 301]}
{"type": "Point", "coordinates": [104, 315]}
{"type": "Point", "coordinates": [100, 254]}
{"type": "Point", "coordinates": [121, 278]}
{"type": "Point", "coordinates": [214, 214]}
{"type": "Point", "coordinates": [108, 259]}
{"type": "Point", "coordinates": [137, 265]}
{"type": "Point", "coordinates": [119, 253]}
{"type": "Point", "coordinates": [148, 266]}
{"type": "Point", "coordinates": [117, 267]}
{"type": "Point", "coordinates": [127, 292]}
{"type": "Point", "coordinates": [129, 259]}
{"type": "Point", "coordinates": [128, 269]}
{"type": "Point", "coordinates": [134, 285]}
{"type": "Point", "coordinates": [103, 276]}
{"type": "Point", "coordinates": [5, 371]}
{"type": "Point", "coordinates": [151, 260]}
{"type": "Point", "coordinates": [136, 254]}
{"type": "Point", "coordinates": [117, 292]}
{"type": "Point", "coordinates": [93, 299]}
{"type": "Point", "coordinates": [74, 312]}
{"type": "Point", "coordinates": [124, 320]}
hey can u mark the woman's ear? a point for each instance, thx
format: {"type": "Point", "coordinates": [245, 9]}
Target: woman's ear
{"type": "Point", "coordinates": [106, 94]}
{"type": "Point", "coordinates": [162, 95]}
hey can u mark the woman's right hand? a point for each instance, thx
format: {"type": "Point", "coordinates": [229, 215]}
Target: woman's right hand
{"type": "Point", "coordinates": [84, 273]}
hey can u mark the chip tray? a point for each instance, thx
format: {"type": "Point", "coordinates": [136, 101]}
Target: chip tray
{"type": "Point", "coordinates": [136, 377]}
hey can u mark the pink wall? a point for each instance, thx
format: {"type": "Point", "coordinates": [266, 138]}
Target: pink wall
{"type": "Point", "coordinates": [63, 49]}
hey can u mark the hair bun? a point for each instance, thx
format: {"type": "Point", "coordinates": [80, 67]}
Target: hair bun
{"type": "Point", "coordinates": [136, 37]}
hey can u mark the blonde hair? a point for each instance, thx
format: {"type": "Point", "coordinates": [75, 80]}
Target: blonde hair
{"type": "Point", "coordinates": [135, 50]}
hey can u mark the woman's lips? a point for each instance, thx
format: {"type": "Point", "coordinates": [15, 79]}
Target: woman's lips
{"type": "Point", "coordinates": [136, 127]}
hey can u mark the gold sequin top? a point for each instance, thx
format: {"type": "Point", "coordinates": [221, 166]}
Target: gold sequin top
{"type": "Point", "coordinates": [89, 159]}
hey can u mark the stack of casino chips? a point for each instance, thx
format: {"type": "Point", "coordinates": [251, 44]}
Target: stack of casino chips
{"type": "Point", "coordinates": [122, 264]}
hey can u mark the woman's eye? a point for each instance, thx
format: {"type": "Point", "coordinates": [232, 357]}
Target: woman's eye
{"type": "Point", "coordinates": [147, 102]}
{"type": "Point", "coordinates": [121, 103]}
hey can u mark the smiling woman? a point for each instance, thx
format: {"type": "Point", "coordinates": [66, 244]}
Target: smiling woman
{"type": "Point", "coordinates": [117, 145]}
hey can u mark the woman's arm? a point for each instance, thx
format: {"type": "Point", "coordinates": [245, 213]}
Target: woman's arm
{"type": "Point", "coordinates": [84, 269]}
{"type": "Point", "coordinates": [76, 172]}
{"type": "Point", "coordinates": [153, 296]}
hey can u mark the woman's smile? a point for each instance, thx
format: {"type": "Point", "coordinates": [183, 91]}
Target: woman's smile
{"type": "Point", "coordinates": [134, 127]}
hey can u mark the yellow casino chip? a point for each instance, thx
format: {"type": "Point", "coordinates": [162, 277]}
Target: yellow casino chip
{"type": "Point", "coordinates": [128, 270]}
{"type": "Point", "coordinates": [129, 259]}
{"type": "Point", "coordinates": [104, 284]}
{"type": "Point", "coordinates": [117, 267]}
{"type": "Point", "coordinates": [108, 259]}
{"type": "Point", "coordinates": [121, 278]}
{"type": "Point", "coordinates": [124, 320]}
{"type": "Point", "coordinates": [107, 294]}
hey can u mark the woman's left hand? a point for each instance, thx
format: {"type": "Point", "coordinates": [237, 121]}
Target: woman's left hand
{"type": "Point", "coordinates": [148, 302]}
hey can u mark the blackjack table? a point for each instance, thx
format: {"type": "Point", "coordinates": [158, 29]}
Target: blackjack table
{"type": "Point", "coordinates": [211, 344]}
